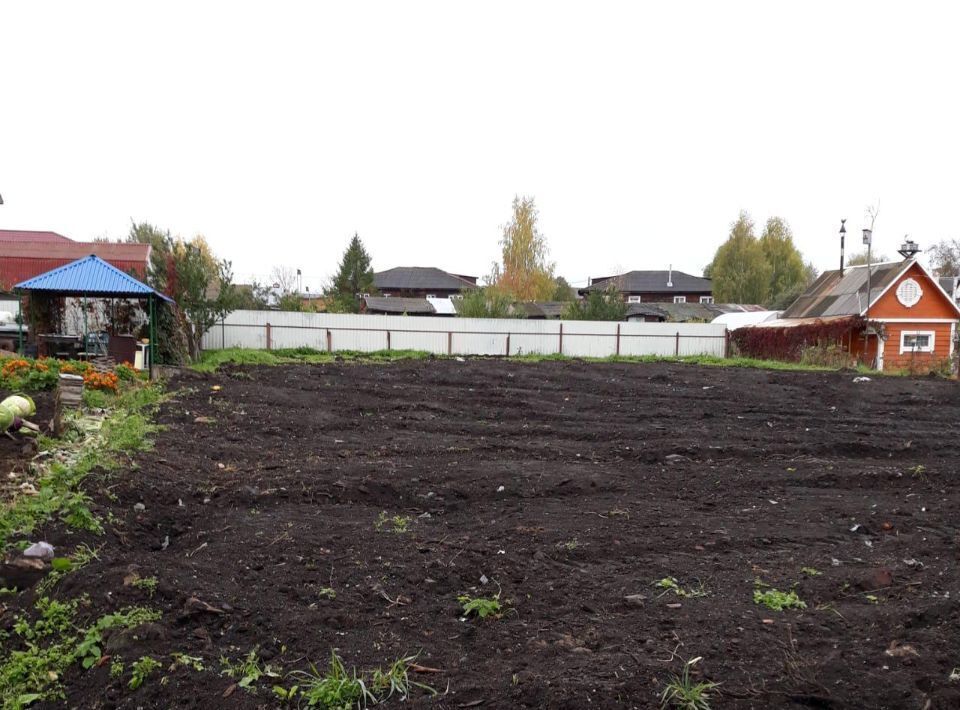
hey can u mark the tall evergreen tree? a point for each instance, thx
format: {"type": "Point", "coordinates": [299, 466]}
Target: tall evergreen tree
{"type": "Point", "coordinates": [354, 278]}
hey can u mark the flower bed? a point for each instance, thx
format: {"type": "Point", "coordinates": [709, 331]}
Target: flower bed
{"type": "Point", "coordinates": [29, 375]}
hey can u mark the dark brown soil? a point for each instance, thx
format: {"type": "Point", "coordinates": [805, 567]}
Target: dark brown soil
{"type": "Point", "coordinates": [567, 487]}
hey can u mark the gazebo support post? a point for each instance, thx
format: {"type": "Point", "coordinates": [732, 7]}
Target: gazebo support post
{"type": "Point", "coordinates": [20, 324]}
{"type": "Point", "coordinates": [153, 330]}
{"type": "Point", "coordinates": [86, 338]}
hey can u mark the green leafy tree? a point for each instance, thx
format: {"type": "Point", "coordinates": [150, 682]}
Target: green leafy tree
{"type": "Point", "coordinates": [740, 270]}
{"type": "Point", "coordinates": [200, 285]}
{"type": "Point", "coordinates": [563, 291]}
{"type": "Point", "coordinates": [524, 274]}
{"type": "Point", "coordinates": [785, 298]}
{"type": "Point", "coordinates": [485, 303]}
{"type": "Point", "coordinates": [789, 276]}
{"type": "Point", "coordinates": [598, 305]}
{"type": "Point", "coordinates": [354, 278]}
{"type": "Point", "coordinates": [252, 297]}
{"type": "Point", "coordinates": [860, 258]}
{"type": "Point", "coordinates": [203, 290]}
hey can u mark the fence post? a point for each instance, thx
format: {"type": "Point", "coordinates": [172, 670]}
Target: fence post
{"type": "Point", "coordinates": [223, 333]}
{"type": "Point", "coordinates": [618, 340]}
{"type": "Point", "coordinates": [676, 350]}
{"type": "Point", "coordinates": [329, 341]}
{"type": "Point", "coordinates": [388, 340]}
{"type": "Point", "coordinates": [449, 342]}
{"type": "Point", "coordinates": [726, 343]}
{"type": "Point", "coordinates": [561, 337]}
{"type": "Point", "coordinates": [268, 336]}
{"type": "Point", "coordinates": [508, 344]}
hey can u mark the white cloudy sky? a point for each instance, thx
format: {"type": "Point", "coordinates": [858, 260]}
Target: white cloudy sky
{"type": "Point", "coordinates": [276, 129]}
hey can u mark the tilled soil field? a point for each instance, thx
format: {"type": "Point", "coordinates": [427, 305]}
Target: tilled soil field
{"type": "Point", "coordinates": [568, 489]}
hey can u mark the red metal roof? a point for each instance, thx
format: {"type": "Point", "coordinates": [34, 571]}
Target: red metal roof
{"type": "Point", "coordinates": [20, 260]}
{"type": "Point", "coordinates": [30, 235]}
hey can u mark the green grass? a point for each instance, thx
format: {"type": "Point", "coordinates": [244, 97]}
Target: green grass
{"type": "Point", "coordinates": [670, 584]}
{"type": "Point", "coordinates": [92, 441]}
{"type": "Point", "coordinates": [481, 607]}
{"type": "Point", "coordinates": [140, 670]}
{"type": "Point", "coordinates": [212, 360]}
{"type": "Point", "coordinates": [682, 693]}
{"type": "Point", "coordinates": [774, 599]}
{"type": "Point", "coordinates": [51, 644]}
{"type": "Point", "coordinates": [337, 688]}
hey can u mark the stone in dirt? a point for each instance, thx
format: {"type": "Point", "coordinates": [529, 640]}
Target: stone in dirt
{"type": "Point", "coordinates": [40, 550]}
{"type": "Point", "coordinates": [22, 573]}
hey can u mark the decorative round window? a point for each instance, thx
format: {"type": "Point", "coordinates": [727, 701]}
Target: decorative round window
{"type": "Point", "coordinates": [909, 292]}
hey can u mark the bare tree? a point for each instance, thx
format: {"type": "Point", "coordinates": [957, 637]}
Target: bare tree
{"type": "Point", "coordinates": [284, 280]}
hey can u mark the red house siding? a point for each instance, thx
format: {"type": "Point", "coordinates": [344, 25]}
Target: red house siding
{"type": "Point", "coordinates": [933, 313]}
{"type": "Point", "coordinates": [20, 261]}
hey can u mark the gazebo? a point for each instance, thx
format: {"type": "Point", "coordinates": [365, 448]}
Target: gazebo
{"type": "Point", "coordinates": [92, 277]}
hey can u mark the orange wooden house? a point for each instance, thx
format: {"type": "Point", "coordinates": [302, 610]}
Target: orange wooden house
{"type": "Point", "coordinates": [901, 320]}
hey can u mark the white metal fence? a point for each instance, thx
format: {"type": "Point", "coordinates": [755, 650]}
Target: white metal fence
{"type": "Point", "coordinates": [463, 336]}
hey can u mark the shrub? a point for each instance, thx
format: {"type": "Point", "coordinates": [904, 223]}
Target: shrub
{"type": "Point", "coordinates": [790, 343]}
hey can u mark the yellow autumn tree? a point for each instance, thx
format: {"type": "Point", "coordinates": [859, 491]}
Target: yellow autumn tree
{"type": "Point", "coordinates": [524, 274]}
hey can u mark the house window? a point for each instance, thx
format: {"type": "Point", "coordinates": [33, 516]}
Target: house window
{"type": "Point", "coordinates": [456, 297]}
{"type": "Point", "coordinates": [430, 295]}
{"type": "Point", "coordinates": [679, 299]}
{"type": "Point", "coordinates": [916, 341]}
{"type": "Point", "coordinates": [909, 292]}
{"type": "Point", "coordinates": [633, 299]}
{"type": "Point", "coordinates": [706, 299]}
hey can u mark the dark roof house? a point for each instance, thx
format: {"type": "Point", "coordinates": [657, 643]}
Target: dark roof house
{"type": "Point", "coordinates": [656, 286]}
{"type": "Point", "coordinates": [421, 281]}
{"type": "Point", "coordinates": [398, 306]}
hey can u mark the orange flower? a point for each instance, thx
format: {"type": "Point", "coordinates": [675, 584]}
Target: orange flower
{"type": "Point", "coordinates": [101, 380]}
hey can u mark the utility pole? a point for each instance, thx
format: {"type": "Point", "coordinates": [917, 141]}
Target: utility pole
{"type": "Point", "coordinates": [868, 240]}
{"type": "Point", "coordinates": [843, 236]}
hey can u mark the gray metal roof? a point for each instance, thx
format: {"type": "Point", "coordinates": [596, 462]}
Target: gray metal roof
{"type": "Point", "coordinates": [652, 282]}
{"type": "Point", "coordinates": [844, 294]}
{"type": "Point", "coordinates": [411, 306]}
{"type": "Point", "coordinates": [410, 278]}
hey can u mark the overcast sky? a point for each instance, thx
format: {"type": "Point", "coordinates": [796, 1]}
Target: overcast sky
{"type": "Point", "coordinates": [277, 129]}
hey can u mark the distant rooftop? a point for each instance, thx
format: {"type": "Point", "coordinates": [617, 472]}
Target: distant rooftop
{"type": "Point", "coordinates": [421, 278]}
{"type": "Point", "coordinates": [31, 236]}
{"type": "Point", "coordinates": [652, 282]}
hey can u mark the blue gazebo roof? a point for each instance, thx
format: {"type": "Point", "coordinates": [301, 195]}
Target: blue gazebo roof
{"type": "Point", "coordinates": [90, 276]}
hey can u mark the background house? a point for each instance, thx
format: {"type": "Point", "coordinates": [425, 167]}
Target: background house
{"type": "Point", "coordinates": [686, 312]}
{"type": "Point", "coordinates": [655, 287]}
{"type": "Point", "coordinates": [421, 282]}
{"type": "Point", "coordinates": [25, 254]}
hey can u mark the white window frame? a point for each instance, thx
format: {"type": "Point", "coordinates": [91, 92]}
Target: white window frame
{"type": "Point", "coordinates": [908, 302]}
{"type": "Point", "coordinates": [706, 299]}
{"type": "Point", "coordinates": [633, 299]}
{"type": "Point", "coordinates": [679, 299]}
{"type": "Point", "coordinates": [431, 295]}
{"type": "Point", "coordinates": [456, 296]}
{"type": "Point", "coordinates": [929, 348]}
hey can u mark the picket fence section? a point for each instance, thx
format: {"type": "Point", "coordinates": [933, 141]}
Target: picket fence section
{"type": "Point", "coordinates": [463, 336]}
